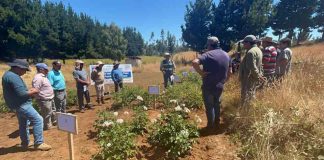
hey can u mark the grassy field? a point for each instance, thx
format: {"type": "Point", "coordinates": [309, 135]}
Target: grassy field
{"type": "Point", "coordinates": [286, 120]}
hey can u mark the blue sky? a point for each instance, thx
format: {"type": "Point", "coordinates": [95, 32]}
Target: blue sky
{"type": "Point", "coordinates": [146, 15]}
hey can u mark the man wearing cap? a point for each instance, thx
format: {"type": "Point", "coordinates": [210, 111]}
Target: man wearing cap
{"type": "Point", "coordinates": [167, 67]}
{"type": "Point", "coordinates": [284, 58]}
{"type": "Point", "coordinates": [18, 99]}
{"type": "Point", "coordinates": [56, 78]}
{"type": "Point", "coordinates": [250, 70]}
{"type": "Point", "coordinates": [82, 83]}
{"type": "Point", "coordinates": [269, 59]}
{"type": "Point", "coordinates": [215, 71]}
{"type": "Point", "coordinates": [117, 76]}
{"type": "Point", "coordinates": [98, 77]}
{"type": "Point", "coordinates": [45, 96]}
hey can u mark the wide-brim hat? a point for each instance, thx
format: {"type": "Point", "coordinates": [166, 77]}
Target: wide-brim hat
{"type": "Point", "coordinates": [167, 54]}
{"type": "Point", "coordinates": [116, 63]}
{"type": "Point", "coordinates": [21, 63]}
{"type": "Point", "coordinates": [99, 63]}
{"type": "Point", "coordinates": [79, 61]}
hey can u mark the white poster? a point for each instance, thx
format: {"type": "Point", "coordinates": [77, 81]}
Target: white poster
{"type": "Point", "coordinates": [125, 68]}
{"type": "Point", "coordinates": [67, 122]}
{"type": "Point", "coordinates": [154, 90]}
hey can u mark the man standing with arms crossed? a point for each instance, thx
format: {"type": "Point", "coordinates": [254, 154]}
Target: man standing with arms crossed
{"type": "Point", "coordinates": [250, 69]}
{"type": "Point", "coordinates": [215, 70]}
{"type": "Point", "coordinates": [82, 83]}
{"type": "Point", "coordinates": [56, 78]}
{"type": "Point", "coordinates": [98, 77]}
{"type": "Point", "coordinates": [18, 99]}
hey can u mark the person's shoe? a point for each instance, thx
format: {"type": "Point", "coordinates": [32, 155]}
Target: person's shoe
{"type": "Point", "coordinates": [98, 101]}
{"type": "Point", "coordinates": [81, 110]}
{"type": "Point", "coordinates": [24, 147]}
{"type": "Point", "coordinates": [89, 106]}
{"type": "Point", "coordinates": [42, 147]}
{"type": "Point", "coordinates": [102, 101]}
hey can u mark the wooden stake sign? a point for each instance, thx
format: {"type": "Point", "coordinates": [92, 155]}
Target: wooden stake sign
{"type": "Point", "coordinates": [68, 123]}
{"type": "Point", "coordinates": [154, 90]}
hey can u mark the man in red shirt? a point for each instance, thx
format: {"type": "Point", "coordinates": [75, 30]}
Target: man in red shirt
{"type": "Point", "coordinates": [269, 59]}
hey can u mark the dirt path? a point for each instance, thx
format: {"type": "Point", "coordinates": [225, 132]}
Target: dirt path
{"type": "Point", "coordinates": [208, 147]}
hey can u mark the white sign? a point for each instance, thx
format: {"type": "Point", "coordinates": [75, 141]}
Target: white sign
{"type": "Point", "coordinates": [67, 122]}
{"type": "Point", "coordinates": [155, 90]}
{"type": "Point", "coordinates": [106, 69]}
{"type": "Point", "coordinates": [185, 74]}
{"type": "Point", "coordinates": [176, 79]}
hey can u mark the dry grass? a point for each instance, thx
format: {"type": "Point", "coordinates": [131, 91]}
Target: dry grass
{"type": "Point", "coordinates": [285, 121]}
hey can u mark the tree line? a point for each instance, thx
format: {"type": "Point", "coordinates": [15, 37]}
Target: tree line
{"type": "Point", "coordinates": [232, 20]}
{"type": "Point", "coordinates": [32, 29]}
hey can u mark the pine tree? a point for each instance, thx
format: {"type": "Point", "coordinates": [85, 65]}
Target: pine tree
{"type": "Point", "coordinates": [135, 42]}
{"type": "Point", "coordinates": [293, 14]}
{"type": "Point", "coordinates": [197, 24]}
{"type": "Point", "coordinates": [319, 19]}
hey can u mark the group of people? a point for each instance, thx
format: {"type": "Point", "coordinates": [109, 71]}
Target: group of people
{"type": "Point", "coordinates": [48, 88]}
{"type": "Point", "coordinates": [49, 91]}
{"type": "Point", "coordinates": [261, 65]}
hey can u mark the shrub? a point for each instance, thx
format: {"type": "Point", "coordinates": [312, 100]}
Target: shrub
{"type": "Point", "coordinates": [173, 133]}
{"type": "Point", "coordinates": [3, 107]}
{"type": "Point", "coordinates": [72, 98]}
{"type": "Point", "coordinates": [187, 93]}
{"type": "Point", "coordinates": [129, 94]}
{"type": "Point", "coordinates": [114, 137]}
{"type": "Point", "coordinates": [140, 120]}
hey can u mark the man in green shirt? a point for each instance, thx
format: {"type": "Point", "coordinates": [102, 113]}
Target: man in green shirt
{"type": "Point", "coordinates": [250, 70]}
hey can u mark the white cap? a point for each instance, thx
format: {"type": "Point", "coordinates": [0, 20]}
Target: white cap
{"type": "Point", "coordinates": [166, 54]}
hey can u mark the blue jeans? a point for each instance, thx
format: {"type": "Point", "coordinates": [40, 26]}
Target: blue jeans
{"type": "Point", "coordinates": [26, 114]}
{"type": "Point", "coordinates": [212, 105]}
{"type": "Point", "coordinates": [167, 78]}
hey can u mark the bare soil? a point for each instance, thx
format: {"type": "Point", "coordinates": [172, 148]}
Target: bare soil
{"type": "Point", "coordinates": [211, 145]}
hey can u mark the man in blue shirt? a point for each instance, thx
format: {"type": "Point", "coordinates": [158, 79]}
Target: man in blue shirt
{"type": "Point", "coordinates": [117, 76]}
{"type": "Point", "coordinates": [82, 83]}
{"type": "Point", "coordinates": [215, 70]}
{"type": "Point", "coordinates": [18, 99]}
{"type": "Point", "coordinates": [56, 78]}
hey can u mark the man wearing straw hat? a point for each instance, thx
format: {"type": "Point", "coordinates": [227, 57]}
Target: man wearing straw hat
{"type": "Point", "coordinates": [82, 83]}
{"type": "Point", "coordinates": [167, 67]}
{"type": "Point", "coordinates": [18, 99]}
{"type": "Point", "coordinates": [98, 77]}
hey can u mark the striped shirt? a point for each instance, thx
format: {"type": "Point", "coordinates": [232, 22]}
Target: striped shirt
{"type": "Point", "coordinates": [269, 60]}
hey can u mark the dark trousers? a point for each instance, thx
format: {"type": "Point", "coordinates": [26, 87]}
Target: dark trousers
{"type": "Point", "coordinates": [118, 86]}
{"type": "Point", "coordinates": [81, 93]}
{"type": "Point", "coordinates": [167, 79]}
{"type": "Point", "coordinates": [212, 105]}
